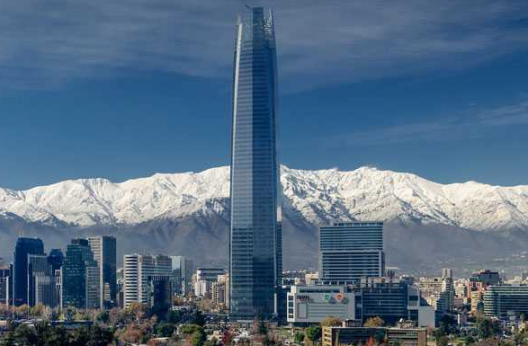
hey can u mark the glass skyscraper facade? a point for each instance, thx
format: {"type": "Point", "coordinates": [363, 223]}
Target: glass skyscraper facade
{"type": "Point", "coordinates": [349, 251]}
{"type": "Point", "coordinates": [80, 279]}
{"type": "Point", "coordinates": [255, 264]}
{"type": "Point", "coordinates": [104, 249]}
{"type": "Point", "coordinates": [24, 247]}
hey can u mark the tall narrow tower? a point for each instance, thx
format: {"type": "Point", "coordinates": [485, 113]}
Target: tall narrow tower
{"type": "Point", "coordinates": [255, 262]}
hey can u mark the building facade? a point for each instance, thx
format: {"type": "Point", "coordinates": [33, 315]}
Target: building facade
{"type": "Point", "coordinates": [38, 270]}
{"type": "Point", "coordinates": [350, 251]}
{"type": "Point", "coordinates": [338, 336]}
{"type": "Point", "coordinates": [255, 232]}
{"type": "Point", "coordinates": [182, 272]}
{"type": "Point", "coordinates": [204, 280]}
{"type": "Point", "coordinates": [23, 248]}
{"type": "Point", "coordinates": [104, 249]}
{"type": "Point", "coordinates": [505, 301]}
{"type": "Point", "coordinates": [80, 279]}
{"type": "Point", "coordinates": [139, 271]}
{"type": "Point", "coordinates": [312, 304]}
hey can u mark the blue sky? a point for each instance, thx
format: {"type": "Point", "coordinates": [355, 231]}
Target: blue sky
{"type": "Point", "coordinates": [123, 89]}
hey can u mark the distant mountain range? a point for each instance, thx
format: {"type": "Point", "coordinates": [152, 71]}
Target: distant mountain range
{"type": "Point", "coordinates": [427, 225]}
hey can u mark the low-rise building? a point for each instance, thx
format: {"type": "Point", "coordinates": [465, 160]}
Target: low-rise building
{"type": "Point", "coordinates": [312, 304]}
{"type": "Point", "coordinates": [505, 301]}
{"type": "Point", "coordinates": [344, 336]}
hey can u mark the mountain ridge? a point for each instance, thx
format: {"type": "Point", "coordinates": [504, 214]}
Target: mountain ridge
{"type": "Point", "coordinates": [427, 225]}
{"type": "Point", "coordinates": [321, 196]}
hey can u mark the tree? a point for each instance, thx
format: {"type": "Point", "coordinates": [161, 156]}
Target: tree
{"type": "Point", "coordinates": [211, 342]}
{"type": "Point", "coordinates": [331, 321]}
{"type": "Point", "coordinates": [165, 329]}
{"type": "Point", "coordinates": [174, 317]}
{"type": "Point", "coordinates": [25, 336]}
{"type": "Point", "coordinates": [70, 313]}
{"type": "Point", "coordinates": [442, 341]}
{"type": "Point", "coordinates": [447, 326]}
{"type": "Point", "coordinates": [262, 328]}
{"type": "Point", "coordinates": [374, 322]}
{"type": "Point", "coordinates": [58, 336]}
{"type": "Point", "coordinates": [37, 310]}
{"type": "Point", "coordinates": [299, 338]}
{"type": "Point", "coordinates": [267, 341]}
{"type": "Point", "coordinates": [198, 318]}
{"type": "Point", "coordinates": [103, 317]}
{"type": "Point", "coordinates": [189, 329]}
{"type": "Point", "coordinates": [198, 338]}
{"type": "Point", "coordinates": [379, 336]}
{"type": "Point", "coordinates": [468, 340]}
{"type": "Point", "coordinates": [486, 328]}
{"type": "Point", "coordinates": [100, 336]}
{"type": "Point", "coordinates": [313, 333]}
{"type": "Point", "coordinates": [227, 338]}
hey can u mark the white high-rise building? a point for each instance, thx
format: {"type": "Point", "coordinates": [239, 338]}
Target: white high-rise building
{"type": "Point", "coordinates": [138, 272]}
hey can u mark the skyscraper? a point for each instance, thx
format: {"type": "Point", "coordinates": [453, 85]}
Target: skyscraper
{"type": "Point", "coordinates": [255, 227]}
{"type": "Point", "coordinates": [80, 279]}
{"type": "Point", "coordinates": [38, 268]}
{"type": "Point", "coordinates": [23, 248]}
{"type": "Point", "coordinates": [104, 249]}
{"type": "Point", "coordinates": [352, 250]}
{"type": "Point", "coordinates": [182, 271]}
{"type": "Point", "coordinates": [55, 259]}
{"type": "Point", "coordinates": [139, 272]}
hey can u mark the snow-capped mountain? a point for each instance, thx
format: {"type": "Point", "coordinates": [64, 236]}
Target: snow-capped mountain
{"type": "Point", "coordinates": [318, 196]}
{"type": "Point", "coordinates": [428, 225]}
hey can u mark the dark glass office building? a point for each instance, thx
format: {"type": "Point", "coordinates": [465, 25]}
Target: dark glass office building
{"type": "Point", "coordinates": [55, 259]}
{"type": "Point", "coordinates": [76, 274]}
{"type": "Point", "coordinates": [255, 227]}
{"type": "Point", "coordinates": [350, 251]}
{"type": "Point", "coordinates": [23, 248]}
{"type": "Point", "coordinates": [505, 301]}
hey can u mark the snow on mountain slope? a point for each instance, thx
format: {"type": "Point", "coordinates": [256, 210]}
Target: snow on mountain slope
{"type": "Point", "coordinates": [318, 196]}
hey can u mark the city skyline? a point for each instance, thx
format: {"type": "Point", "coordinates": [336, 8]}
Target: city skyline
{"type": "Point", "coordinates": [438, 90]}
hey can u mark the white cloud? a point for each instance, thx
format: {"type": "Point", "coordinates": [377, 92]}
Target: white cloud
{"type": "Point", "coordinates": [468, 124]}
{"type": "Point", "coordinates": [48, 43]}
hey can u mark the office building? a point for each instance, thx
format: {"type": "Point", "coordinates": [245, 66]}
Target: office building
{"type": "Point", "coordinates": [5, 273]}
{"type": "Point", "coordinates": [392, 300]}
{"type": "Point", "coordinates": [255, 232]}
{"type": "Point", "coordinates": [439, 292]}
{"type": "Point", "coordinates": [350, 251]}
{"type": "Point", "coordinates": [182, 272]}
{"type": "Point", "coordinates": [160, 293]}
{"type": "Point", "coordinates": [205, 277]}
{"type": "Point", "coordinates": [505, 301]}
{"type": "Point", "coordinates": [55, 259]}
{"type": "Point", "coordinates": [220, 291]}
{"type": "Point", "coordinates": [46, 291]}
{"type": "Point", "coordinates": [345, 336]}
{"type": "Point", "coordinates": [38, 267]}
{"type": "Point", "coordinates": [139, 271]}
{"type": "Point", "coordinates": [80, 277]}
{"type": "Point", "coordinates": [23, 248]}
{"type": "Point", "coordinates": [312, 304]}
{"type": "Point", "coordinates": [447, 273]}
{"type": "Point", "coordinates": [104, 249]}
